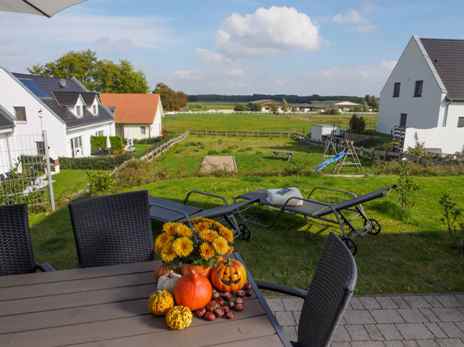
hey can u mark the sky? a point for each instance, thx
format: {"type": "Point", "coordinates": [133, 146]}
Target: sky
{"type": "Point", "coordinates": [304, 47]}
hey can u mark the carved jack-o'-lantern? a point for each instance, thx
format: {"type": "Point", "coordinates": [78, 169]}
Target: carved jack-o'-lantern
{"type": "Point", "coordinates": [229, 276]}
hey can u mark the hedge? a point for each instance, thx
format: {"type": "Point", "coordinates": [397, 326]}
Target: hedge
{"type": "Point", "coordinates": [98, 144]}
{"type": "Point", "coordinates": [94, 163]}
{"type": "Point", "coordinates": [116, 144]}
{"type": "Point", "coordinates": [149, 141]}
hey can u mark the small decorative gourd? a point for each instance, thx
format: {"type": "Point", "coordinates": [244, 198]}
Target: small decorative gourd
{"type": "Point", "coordinates": [179, 317]}
{"type": "Point", "coordinates": [160, 302]}
{"type": "Point", "coordinates": [168, 281]}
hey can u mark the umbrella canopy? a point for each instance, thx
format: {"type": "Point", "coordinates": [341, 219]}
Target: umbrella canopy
{"type": "Point", "coordinates": [45, 8]}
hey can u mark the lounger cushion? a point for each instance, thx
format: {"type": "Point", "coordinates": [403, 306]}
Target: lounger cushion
{"type": "Point", "coordinates": [278, 197]}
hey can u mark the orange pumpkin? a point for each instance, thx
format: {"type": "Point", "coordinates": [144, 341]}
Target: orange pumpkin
{"type": "Point", "coordinates": [229, 276]}
{"type": "Point", "coordinates": [193, 290]}
{"type": "Point", "coordinates": [199, 269]}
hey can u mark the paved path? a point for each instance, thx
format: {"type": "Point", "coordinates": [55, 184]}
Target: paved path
{"type": "Point", "coordinates": [388, 321]}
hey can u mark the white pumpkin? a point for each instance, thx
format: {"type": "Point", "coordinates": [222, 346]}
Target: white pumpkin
{"type": "Point", "coordinates": [168, 281]}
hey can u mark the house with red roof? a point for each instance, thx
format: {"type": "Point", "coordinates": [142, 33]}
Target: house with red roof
{"type": "Point", "coordinates": [137, 116]}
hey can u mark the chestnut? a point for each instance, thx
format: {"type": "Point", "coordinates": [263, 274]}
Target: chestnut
{"type": "Point", "coordinates": [239, 307]}
{"type": "Point", "coordinates": [230, 315]}
{"type": "Point", "coordinates": [200, 313]}
{"type": "Point", "coordinates": [210, 316]}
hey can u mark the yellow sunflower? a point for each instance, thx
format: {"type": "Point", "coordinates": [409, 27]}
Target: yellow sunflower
{"type": "Point", "coordinates": [183, 246]}
{"type": "Point", "coordinates": [167, 253]}
{"type": "Point", "coordinates": [220, 245]}
{"type": "Point", "coordinates": [169, 228]}
{"type": "Point", "coordinates": [226, 233]}
{"type": "Point", "coordinates": [161, 241]}
{"type": "Point", "coordinates": [183, 230]}
{"type": "Point", "coordinates": [207, 235]}
{"type": "Point", "coordinates": [206, 251]}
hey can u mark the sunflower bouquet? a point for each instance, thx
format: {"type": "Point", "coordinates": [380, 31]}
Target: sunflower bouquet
{"type": "Point", "coordinates": [204, 244]}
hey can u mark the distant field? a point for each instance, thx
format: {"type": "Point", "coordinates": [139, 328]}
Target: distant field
{"type": "Point", "coordinates": [205, 106]}
{"type": "Point", "coordinates": [253, 122]}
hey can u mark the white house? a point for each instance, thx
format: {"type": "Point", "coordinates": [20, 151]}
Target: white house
{"type": "Point", "coordinates": [425, 95]}
{"type": "Point", "coordinates": [62, 107]}
{"type": "Point", "coordinates": [137, 116]}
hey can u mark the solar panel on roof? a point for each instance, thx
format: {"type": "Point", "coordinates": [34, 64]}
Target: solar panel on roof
{"type": "Point", "coordinates": [34, 88]}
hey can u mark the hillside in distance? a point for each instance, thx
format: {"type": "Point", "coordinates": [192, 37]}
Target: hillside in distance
{"type": "Point", "coordinates": [277, 97]}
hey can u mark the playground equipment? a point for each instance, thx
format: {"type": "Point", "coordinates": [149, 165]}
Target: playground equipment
{"type": "Point", "coordinates": [339, 150]}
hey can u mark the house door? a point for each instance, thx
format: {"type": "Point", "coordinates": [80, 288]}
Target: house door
{"type": "Point", "coordinates": [76, 147]}
{"type": "Point", "coordinates": [403, 120]}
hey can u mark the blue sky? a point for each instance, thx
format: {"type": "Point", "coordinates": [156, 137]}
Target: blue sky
{"type": "Point", "coordinates": [238, 46]}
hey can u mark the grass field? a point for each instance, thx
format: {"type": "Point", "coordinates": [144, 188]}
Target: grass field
{"type": "Point", "coordinates": [297, 123]}
{"type": "Point", "coordinates": [412, 254]}
{"type": "Point", "coordinates": [205, 106]}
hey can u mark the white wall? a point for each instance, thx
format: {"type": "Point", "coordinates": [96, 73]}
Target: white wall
{"type": "Point", "coordinates": [452, 112]}
{"type": "Point", "coordinates": [14, 94]}
{"type": "Point", "coordinates": [133, 131]}
{"type": "Point", "coordinates": [6, 162]}
{"type": "Point", "coordinates": [86, 133]}
{"type": "Point", "coordinates": [424, 112]}
{"type": "Point", "coordinates": [450, 141]}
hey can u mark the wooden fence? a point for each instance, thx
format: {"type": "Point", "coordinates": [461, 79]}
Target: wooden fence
{"type": "Point", "coordinates": [239, 133]}
{"type": "Point", "coordinates": [157, 151]}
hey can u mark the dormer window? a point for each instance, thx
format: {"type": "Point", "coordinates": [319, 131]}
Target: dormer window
{"type": "Point", "coordinates": [79, 110]}
{"type": "Point", "coordinates": [95, 109]}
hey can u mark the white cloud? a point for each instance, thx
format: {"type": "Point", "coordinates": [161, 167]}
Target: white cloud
{"type": "Point", "coordinates": [186, 74]}
{"type": "Point", "coordinates": [45, 39]}
{"type": "Point", "coordinates": [209, 56]}
{"type": "Point", "coordinates": [268, 30]}
{"type": "Point", "coordinates": [354, 18]}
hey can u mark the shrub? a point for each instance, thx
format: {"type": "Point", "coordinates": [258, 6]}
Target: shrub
{"type": "Point", "coordinates": [405, 186]}
{"type": "Point", "coordinates": [98, 144]}
{"type": "Point", "coordinates": [357, 124]}
{"type": "Point", "coordinates": [240, 108]}
{"type": "Point", "coordinates": [100, 182]}
{"type": "Point", "coordinates": [134, 173]}
{"type": "Point", "coordinates": [116, 144]}
{"type": "Point", "coordinates": [451, 213]}
{"type": "Point", "coordinates": [94, 163]}
{"type": "Point", "coordinates": [149, 141]}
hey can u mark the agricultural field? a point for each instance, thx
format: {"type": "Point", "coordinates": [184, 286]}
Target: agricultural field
{"type": "Point", "coordinates": [205, 106]}
{"type": "Point", "coordinates": [252, 122]}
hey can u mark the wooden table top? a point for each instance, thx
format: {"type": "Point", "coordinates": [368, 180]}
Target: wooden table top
{"type": "Point", "coordinates": [107, 306]}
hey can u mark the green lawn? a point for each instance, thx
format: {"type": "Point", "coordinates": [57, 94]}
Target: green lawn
{"type": "Point", "coordinates": [141, 149]}
{"type": "Point", "coordinates": [413, 254]}
{"type": "Point", "coordinates": [252, 122]}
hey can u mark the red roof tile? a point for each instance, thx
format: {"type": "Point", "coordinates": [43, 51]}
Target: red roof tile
{"type": "Point", "coordinates": [132, 108]}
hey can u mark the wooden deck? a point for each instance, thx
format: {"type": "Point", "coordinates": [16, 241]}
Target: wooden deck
{"type": "Point", "coordinates": [107, 306]}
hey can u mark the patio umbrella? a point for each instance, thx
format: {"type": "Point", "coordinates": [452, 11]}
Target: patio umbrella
{"type": "Point", "coordinates": [45, 8]}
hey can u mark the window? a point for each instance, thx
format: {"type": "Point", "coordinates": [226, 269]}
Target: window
{"type": "Point", "coordinates": [20, 113]}
{"type": "Point", "coordinates": [76, 146]}
{"type": "Point", "coordinates": [396, 89]}
{"type": "Point", "coordinates": [95, 109]}
{"type": "Point", "coordinates": [461, 122]}
{"type": "Point", "coordinates": [40, 147]}
{"type": "Point", "coordinates": [403, 120]}
{"type": "Point", "coordinates": [418, 89]}
{"type": "Point", "coordinates": [143, 130]}
{"type": "Point", "coordinates": [79, 111]}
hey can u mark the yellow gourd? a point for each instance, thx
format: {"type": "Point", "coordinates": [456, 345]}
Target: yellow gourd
{"type": "Point", "coordinates": [179, 317]}
{"type": "Point", "coordinates": [160, 302]}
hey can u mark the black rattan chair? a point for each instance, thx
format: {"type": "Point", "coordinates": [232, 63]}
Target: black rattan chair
{"type": "Point", "coordinates": [112, 230]}
{"type": "Point", "coordinates": [327, 297]}
{"type": "Point", "coordinates": [16, 256]}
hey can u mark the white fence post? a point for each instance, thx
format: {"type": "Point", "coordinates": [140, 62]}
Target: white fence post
{"type": "Point", "coordinates": [51, 193]}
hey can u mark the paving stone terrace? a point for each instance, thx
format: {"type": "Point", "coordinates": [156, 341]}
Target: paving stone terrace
{"type": "Point", "coordinates": [384, 321]}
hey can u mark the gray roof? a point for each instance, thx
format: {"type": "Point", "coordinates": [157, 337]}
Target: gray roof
{"type": "Point", "coordinates": [58, 93]}
{"type": "Point", "coordinates": [6, 122]}
{"type": "Point", "coordinates": [447, 56]}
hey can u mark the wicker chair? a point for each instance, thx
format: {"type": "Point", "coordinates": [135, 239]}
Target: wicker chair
{"type": "Point", "coordinates": [327, 297]}
{"type": "Point", "coordinates": [16, 256]}
{"type": "Point", "coordinates": [112, 230]}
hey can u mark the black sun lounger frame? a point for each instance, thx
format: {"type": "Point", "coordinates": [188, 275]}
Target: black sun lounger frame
{"type": "Point", "coordinates": [332, 213]}
{"type": "Point", "coordinates": [166, 210]}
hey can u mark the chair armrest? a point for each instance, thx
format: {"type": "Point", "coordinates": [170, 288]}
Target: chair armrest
{"type": "Point", "coordinates": [301, 293]}
{"type": "Point", "coordinates": [211, 195]}
{"type": "Point", "coordinates": [45, 267]}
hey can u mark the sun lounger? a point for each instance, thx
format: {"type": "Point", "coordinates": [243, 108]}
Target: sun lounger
{"type": "Point", "coordinates": [333, 213]}
{"type": "Point", "coordinates": [166, 210]}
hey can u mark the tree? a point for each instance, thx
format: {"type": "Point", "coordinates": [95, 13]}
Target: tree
{"type": "Point", "coordinates": [240, 108]}
{"type": "Point", "coordinates": [253, 107]}
{"type": "Point", "coordinates": [95, 74]}
{"type": "Point", "coordinates": [357, 124]}
{"type": "Point", "coordinates": [172, 100]}
{"type": "Point", "coordinates": [285, 106]}
{"type": "Point", "coordinates": [372, 101]}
